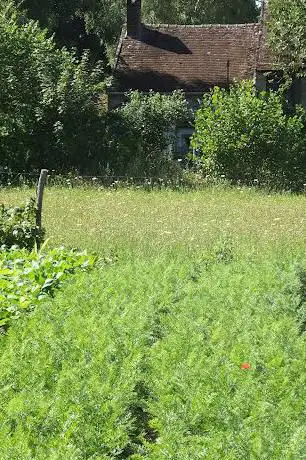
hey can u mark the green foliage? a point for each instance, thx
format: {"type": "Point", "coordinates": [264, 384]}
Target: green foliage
{"type": "Point", "coordinates": [144, 145]}
{"type": "Point", "coordinates": [144, 357]}
{"type": "Point", "coordinates": [18, 226]}
{"type": "Point", "coordinates": [201, 11]}
{"type": "Point", "coordinates": [144, 361]}
{"type": "Point", "coordinates": [26, 278]}
{"type": "Point", "coordinates": [90, 363]}
{"type": "Point", "coordinates": [203, 404]}
{"type": "Point", "coordinates": [248, 137]}
{"type": "Point", "coordinates": [287, 34]}
{"type": "Point", "coordinates": [302, 305]}
{"type": "Point", "coordinates": [49, 113]}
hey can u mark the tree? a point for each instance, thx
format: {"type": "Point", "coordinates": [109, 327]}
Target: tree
{"type": "Point", "coordinates": [48, 113]}
{"type": "Point", "coordinates": [67, 20]}
{"type": "Point", "coordinates": [201, 11]}
{"type": "Point", "coordinates": [287, 33]}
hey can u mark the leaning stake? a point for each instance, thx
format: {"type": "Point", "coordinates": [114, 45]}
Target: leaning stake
{"type": "Point", "coordinates": [40, 194]}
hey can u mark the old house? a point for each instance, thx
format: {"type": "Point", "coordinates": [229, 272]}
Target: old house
{"type": "Point", "coordinates": [192, 58]}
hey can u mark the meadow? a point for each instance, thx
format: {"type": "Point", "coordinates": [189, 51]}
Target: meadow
{"type": "Point", "coordinates": [150, 223]}
{"type": "Point", "coordinates": [189, 344]}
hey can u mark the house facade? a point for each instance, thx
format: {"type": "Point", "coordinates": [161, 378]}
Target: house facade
{"type": "Point", "coordinates": [191, 58]}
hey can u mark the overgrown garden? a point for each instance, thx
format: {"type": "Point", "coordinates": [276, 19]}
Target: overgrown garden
{"type": "Point", "coordinates": [160, 311]}
{"type": "Point", "coordinates": [188, 337]}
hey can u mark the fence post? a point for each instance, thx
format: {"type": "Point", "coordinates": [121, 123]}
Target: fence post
{"type": "Point", "coordinates": [40, 194]}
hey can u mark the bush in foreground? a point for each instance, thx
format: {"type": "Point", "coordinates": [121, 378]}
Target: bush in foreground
{"type": "Point", "coordinates": [18, 226]}
{"type": "Point", "coordinates": [26, 278]}
{"type": "Point", "coordinates": [249, 137]}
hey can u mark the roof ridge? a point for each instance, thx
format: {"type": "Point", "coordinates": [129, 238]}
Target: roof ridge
{"type": "Point", "coordinates": [193, 26]}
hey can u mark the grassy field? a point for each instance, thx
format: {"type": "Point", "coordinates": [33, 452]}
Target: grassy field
{"type": "Point", "coordinates": [189, 346]}
{"type": "Point", "coordinates": [149, 223]}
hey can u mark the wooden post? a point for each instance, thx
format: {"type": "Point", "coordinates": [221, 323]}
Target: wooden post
{"type": "Point", "coordinates": [40, 194]}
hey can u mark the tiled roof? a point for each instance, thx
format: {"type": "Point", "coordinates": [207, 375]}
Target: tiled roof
{"type": "Point", "coordinates": [193, 58]}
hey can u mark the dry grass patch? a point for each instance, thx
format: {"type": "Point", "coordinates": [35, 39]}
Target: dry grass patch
{"type": "Point", "coordinates": [148, 222]}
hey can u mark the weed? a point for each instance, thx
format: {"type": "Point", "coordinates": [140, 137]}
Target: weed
{"type": "Point", "coordinates": [28, 278]}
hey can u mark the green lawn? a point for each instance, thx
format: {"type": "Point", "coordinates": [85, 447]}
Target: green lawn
{"type": "Point", "coordinates": [143, 357]}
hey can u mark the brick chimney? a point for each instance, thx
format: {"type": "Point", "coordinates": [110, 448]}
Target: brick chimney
{"type": "Point", "coordinates": [264, 16]}
{"type": "Point", "coordinates": [133, 23]}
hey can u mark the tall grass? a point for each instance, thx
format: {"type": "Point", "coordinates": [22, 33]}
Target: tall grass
{"type": "Point", "coordinates": [146, 223]}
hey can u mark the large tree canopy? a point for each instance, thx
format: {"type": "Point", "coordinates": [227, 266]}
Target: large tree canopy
{"type": "Point", "coordinates": [96, 24]}
{"type": "Point", "coordinates": [201, 11]}
{"type": "Point", "coordinates": [48, 111]}
{"type": "Point", "coordinates": [287, 28]}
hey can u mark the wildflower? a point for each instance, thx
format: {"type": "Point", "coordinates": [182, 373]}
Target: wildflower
{"type": "Point", "coordinates": [245, 366]}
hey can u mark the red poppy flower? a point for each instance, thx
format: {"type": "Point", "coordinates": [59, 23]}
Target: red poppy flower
{"type": "Point", "coordinates": [245, 366]}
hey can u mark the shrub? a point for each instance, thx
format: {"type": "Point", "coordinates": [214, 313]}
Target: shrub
{"type": "Point", "coordinates": [52, 114]}
{"type": "Point", "coordinates": [27, 278]}
{"type": "Point", "coordinates": [248, 136]}
{"type": "Point", "coordinates": [18, 226]}
{"type": "Point", "coordinates": [147, 125]}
